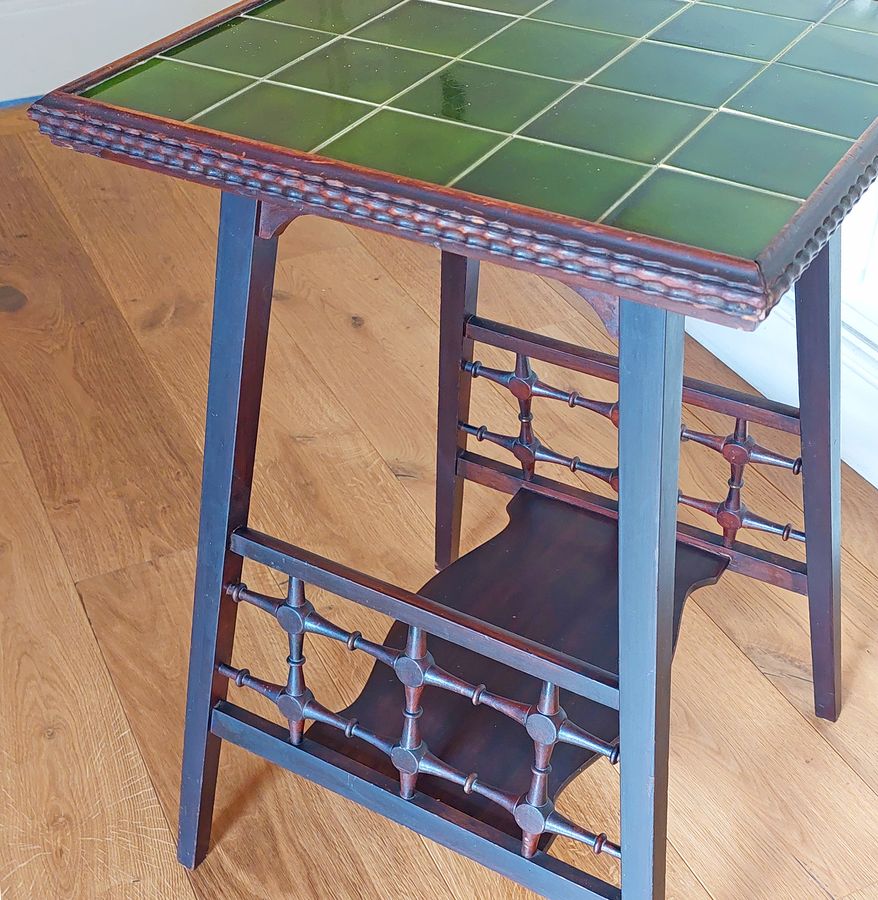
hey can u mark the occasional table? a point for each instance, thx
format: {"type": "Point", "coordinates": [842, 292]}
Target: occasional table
{"type": "Point", "coordinates": [663, 158]}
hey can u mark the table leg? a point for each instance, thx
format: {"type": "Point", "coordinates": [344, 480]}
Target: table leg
{"type": "Point", "coordinates": [650, 398]}
{"type": "Point", "coordinates": [459, 292]}
{"type": "Point", "coordinates": [818, 332]}
{"type": "Point", "coordinates": [242, 305]}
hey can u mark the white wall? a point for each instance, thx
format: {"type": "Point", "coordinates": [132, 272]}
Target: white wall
{"type": "Point", "coordinates": [767, 357]}
{"type": "Point", "coordinates": [46, 43]}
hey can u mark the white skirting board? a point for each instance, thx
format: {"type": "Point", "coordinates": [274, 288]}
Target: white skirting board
{"type": "Point", "coordinates": [766, 358]}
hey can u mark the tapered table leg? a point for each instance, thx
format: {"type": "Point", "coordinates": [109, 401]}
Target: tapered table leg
{"type": "Point", "coordinates": [242, 305]}
{"type": "Point", "coordinates": [650, 397]}
{"type": "Point", "coordinates": [818, 333]}
{"type": "Point", "coordinates": [460, 287]}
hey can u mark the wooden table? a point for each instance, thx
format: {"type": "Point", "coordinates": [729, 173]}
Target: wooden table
{"type": "Point", "coordinates": [666, 159]}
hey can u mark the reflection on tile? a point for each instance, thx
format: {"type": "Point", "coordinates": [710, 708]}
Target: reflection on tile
{"type": "Point", "coordinates": [631, 17]}
{"type": "Point", "coordinates": [678, 73]}
{"type": "Point", "coordinates": [171, 89]}
{"type": "Point", "coordinates": [731, 31]}
{"type": "Point", "coordinates": [412, 146]}
{"type": "Point", "coordinates": [249, 46]}
{"type": "Point", "coordinates": [339, 16]}
{"type": "Point", "coordinates": [490, 92]}
{"type": "Point", "coordinates": [761, 154]}
{"type": "Point", "coordinates": [726, 218]}
{"type": "Point", "coordinates": [553, 178]}
{"type": "Point", "coordinates": [810, 10]}
{"type": "Point", "coordinates": [553, 50]}
{"type": "Point", "coordinates": [432, 27]}
{"type": "Point", "coordinates": [637, 128]}
{"type": "Point", "coordinates": [284, 116]}
{"type": "Point", "coordinates": [480, 95]}
{"type": "Point", "coordinates": [513, 7]}
{"type": "Point", "coordinates": [360, 70]}
{"type": "Point", "coordinates": [859, 14]}
{"type": "Point", "coordinates": [812, 100]}
{"type": "Point", "coordinates": [838, 51]}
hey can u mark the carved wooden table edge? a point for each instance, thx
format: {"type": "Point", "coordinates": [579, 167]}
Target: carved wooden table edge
{"type": "Point", "coordinates": [265, 188]}
{"type": "Point", "coordinates": [677, 277]}
{"type": "Point", "coordinates": [711, 286]}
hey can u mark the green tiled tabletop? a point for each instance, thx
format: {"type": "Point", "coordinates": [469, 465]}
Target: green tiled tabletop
{"type": "Point", "coordinates": [704, 123]}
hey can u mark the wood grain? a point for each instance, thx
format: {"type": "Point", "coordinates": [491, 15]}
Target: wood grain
{"type": "Point", "coordinates": [74, 381]}
{"type": "Point", "coordinates": [78, 812]}
{"type": "Point", "coordinates": [103, 373]}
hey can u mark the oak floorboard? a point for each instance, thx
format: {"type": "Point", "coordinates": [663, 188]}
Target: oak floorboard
{"type": "Point", "coordinates": [78, 814]}
{"type": "Point", "coordinates": [275, 835]}
{"type": "Point", "coordinates": [113, 464]}
{"type": "Point", "coordinates": [334, 311]}
{"type": "Point", "coordinates": [867, 893]}
{"type": "Point", "coordinates": [771, 625]}
{"type": "Point", "coordinates": [766, 802]}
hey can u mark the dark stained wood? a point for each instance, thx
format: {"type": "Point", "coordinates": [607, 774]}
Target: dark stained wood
{"type": "Point", "coordinates": [459, 296]}
{"type": "Point", "coordinates": [242, 311]}
{"type": "Point", "coordinates": [818, 333]}
{"type": "Point", "coordinates": [700, 283]}
{"type": "Point", "coordinates": [746, 559]}
{"type": "Point", "coordinates": [696, 392]}
{"type": "Point", "coordinates": [337, 772]}
{"type": "Point", "coordinates": [551, 576]}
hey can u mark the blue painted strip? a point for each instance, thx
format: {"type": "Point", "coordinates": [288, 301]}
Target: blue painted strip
{"type": "Point", "coordinates": [22, 101]}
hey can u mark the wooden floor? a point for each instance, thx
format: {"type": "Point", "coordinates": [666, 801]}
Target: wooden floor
{"type": "Point", "coordinates": [105, 285]}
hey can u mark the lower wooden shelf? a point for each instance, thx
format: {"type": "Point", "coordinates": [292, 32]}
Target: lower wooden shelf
{"type": "Point", "coordinates": [550, 576]}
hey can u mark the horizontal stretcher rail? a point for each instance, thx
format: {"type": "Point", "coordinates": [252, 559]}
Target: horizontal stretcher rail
{"type": "Point", "coordinates": [702, 394]}
{"type": "Point", "coordinates": [421, 612]}
{"type": "Point", "coordinates": [744, 559]}
{"type": "Point", "coordinates": [496, 850]}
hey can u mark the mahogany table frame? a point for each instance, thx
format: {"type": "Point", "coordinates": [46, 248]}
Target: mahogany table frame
{"type": "Point", "coordinates": [656, 284]}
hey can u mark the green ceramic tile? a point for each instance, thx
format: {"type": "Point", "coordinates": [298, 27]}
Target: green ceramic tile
{"type": "Point", "coordinates": [625, 125]}
{"type": "Point", "coordinates": [480, 95]}
{"type": "Point", "coordinates": [661, 69]}
{"type": "Point", "coordinates": [838, 51]}
{"type": "Point", "coordinates": [631, 17]}
{"type": "Point", "coordinates": [513, 7]}
{"type": "Point", "coordinates": [678, 73]}
{"type": "Point", "coordinates": [364, 71]}
{"type": "Point", "coordinates": [812, 100]}
{"type": "Point", "coordinates": [249, 46]}
{"type": "Point", "coordinates": [704, 213]}
{"type": "Point", "coordinates": [731, 31]}
{"type": "Point", "coordinates": [861, 15]}
{"type": "Point", "coordinates": [412, 146]}
{"type": "Point", "coordinates": [338, 16]}
{"type": "Point", "coordinates": [809, 10]}
{"type": "Point", "coordinates": [761, 154]}
{"type": "Point", "coordinates": [284, 116]}
{"type": "Point", "coordinates": [433, 27]}
{"type": "Point", "coordinates": [553, 178]}
{"type": "Point", "coordinates": [550, 50]}
{"type": "Point", "coordinates": [170, 89]}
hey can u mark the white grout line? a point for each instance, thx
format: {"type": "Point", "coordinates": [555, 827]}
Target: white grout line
{"type": "Point", "coordinates": [458, 58]}
{"type": "Point", "coordinates": [288, 63]}
{"type": "Point", "coordinates": [662, 164]}
{"type": "Point", "coordinates": [791, 125]}
{"type": "Point", "coordinates": [200, 65]}
{"type": "Point", "coordinates": [727, 54]}
{"type": "Point", "coordinates": [744, 114]}
{"type": "Point", "coordinates": [567, 93]}
{"type": "Point", "coordinates": [704, 176]}
{"type": "Point", "coordinates": [807, 30]}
